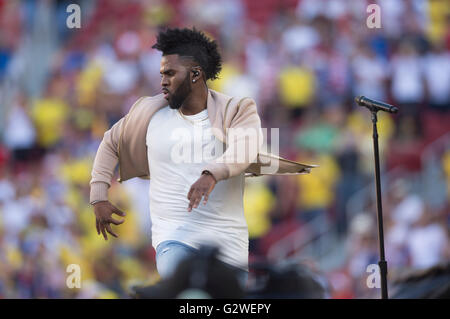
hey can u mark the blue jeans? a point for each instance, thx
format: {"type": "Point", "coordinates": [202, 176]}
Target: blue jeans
{"type": "Point", "coordinates": [170, 253]}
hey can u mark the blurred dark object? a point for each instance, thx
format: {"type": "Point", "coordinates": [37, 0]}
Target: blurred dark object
{"type": "Point", "coordinates": [200, 276]}
{"type": "Point", "coordinates": [431, 283]}
{"type": "Point", "coordinates": [287, 280]}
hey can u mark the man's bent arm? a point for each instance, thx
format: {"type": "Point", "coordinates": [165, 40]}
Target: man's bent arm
{"type": "Point", "coordinates": [244, 140]}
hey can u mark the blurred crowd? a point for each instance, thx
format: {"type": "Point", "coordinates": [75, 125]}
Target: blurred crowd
{"type": "Point", "coordinates": [303, 61]}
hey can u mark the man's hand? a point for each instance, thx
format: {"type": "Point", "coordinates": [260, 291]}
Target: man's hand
{"type": "Point", "coordinates": [103, 215]}
{"type": "Point", "coordinates": [203, 186]}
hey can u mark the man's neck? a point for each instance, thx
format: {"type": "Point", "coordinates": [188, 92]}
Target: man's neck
{"type": "Point", "coordinates": [196, 102]}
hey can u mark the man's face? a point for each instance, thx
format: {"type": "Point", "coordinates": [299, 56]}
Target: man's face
{"type": "Point", "coordinates": [175, 80]}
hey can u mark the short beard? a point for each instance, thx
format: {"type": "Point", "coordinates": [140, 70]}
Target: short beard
{"type": "Point", "coordinates": [181, 93]}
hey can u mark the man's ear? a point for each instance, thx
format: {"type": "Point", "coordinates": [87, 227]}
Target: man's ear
{"type": "Point", "coordinates": [196, 71]}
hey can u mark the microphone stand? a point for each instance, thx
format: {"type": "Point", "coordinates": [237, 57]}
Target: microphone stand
{"type": "Point", "coordinates": [382, 262]}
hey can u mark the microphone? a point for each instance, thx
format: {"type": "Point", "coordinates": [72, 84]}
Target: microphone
{"type": "Point", "coordinates": [375, 105]}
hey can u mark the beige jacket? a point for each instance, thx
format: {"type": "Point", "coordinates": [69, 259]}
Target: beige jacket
{"type": "Point", "coordinates": [125, 144]}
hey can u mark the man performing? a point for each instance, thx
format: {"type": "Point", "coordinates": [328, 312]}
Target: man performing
{"type": "Point", "coordinates": [147, 142]}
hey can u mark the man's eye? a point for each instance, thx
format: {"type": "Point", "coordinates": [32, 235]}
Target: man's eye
{"type": "Point", "coordinates": [168, 74]}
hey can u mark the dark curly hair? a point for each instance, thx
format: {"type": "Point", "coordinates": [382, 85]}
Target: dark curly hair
{"type": "Point", "coordinates": [194, 44]}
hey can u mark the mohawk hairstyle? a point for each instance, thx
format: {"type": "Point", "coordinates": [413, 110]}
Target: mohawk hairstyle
{"type": "Point", "coordinates": [193, 44]}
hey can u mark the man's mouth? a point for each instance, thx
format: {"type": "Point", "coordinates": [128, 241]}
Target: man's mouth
{"type": "Point", "coordinates": [166, 94]}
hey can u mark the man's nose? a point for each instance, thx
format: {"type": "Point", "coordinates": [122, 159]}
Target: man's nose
{"type": "Point", "coordinates": [164, 82]}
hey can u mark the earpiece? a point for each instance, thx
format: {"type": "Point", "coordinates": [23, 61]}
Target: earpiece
{"type": "Point", "coordinates": [196, 73]}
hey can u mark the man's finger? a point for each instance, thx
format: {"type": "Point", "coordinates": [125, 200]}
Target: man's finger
{"type": "Point", "coordinates": [205, 198]}
{"type": "Point", "coordinates": [198, 200]}
{"type": "Point", "coordinates": [193, 198]}
{"type": "Point", "coordinates": [115, 221]}
{"type": "Point", "coordinates": [191, 203]}
{"type": "Point", "coordinates": [190, 193]}
{"type": "Point", "coordinates": [96, 226]}
{"type": "Point", "coordinates": [102, 228]}
{"type": "Point", "coordinates": [119, 212]}
{"type": "Point", "coordinates": [109, 230]}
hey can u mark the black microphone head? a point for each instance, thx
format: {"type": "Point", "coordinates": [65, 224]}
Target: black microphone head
{"type": "Point", "coordinates": [375, 105]}
{"type": "Point", "coordinates": [359, 99]}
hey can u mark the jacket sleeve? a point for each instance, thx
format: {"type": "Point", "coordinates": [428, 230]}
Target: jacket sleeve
{"type": "Point", "coordinates": [244, 140]}
{"type": "Point", "coordinates": [105, 162]}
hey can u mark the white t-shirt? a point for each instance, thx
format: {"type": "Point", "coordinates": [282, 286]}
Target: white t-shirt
{"type": "Point", "coordinates": [437, 74]}
{"type": "Point", "coordinates": [407, 83]}
{"type": "Point", "coordinates": [427, 245]}
{"type": "Point", "coordinates": [177, 151]}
